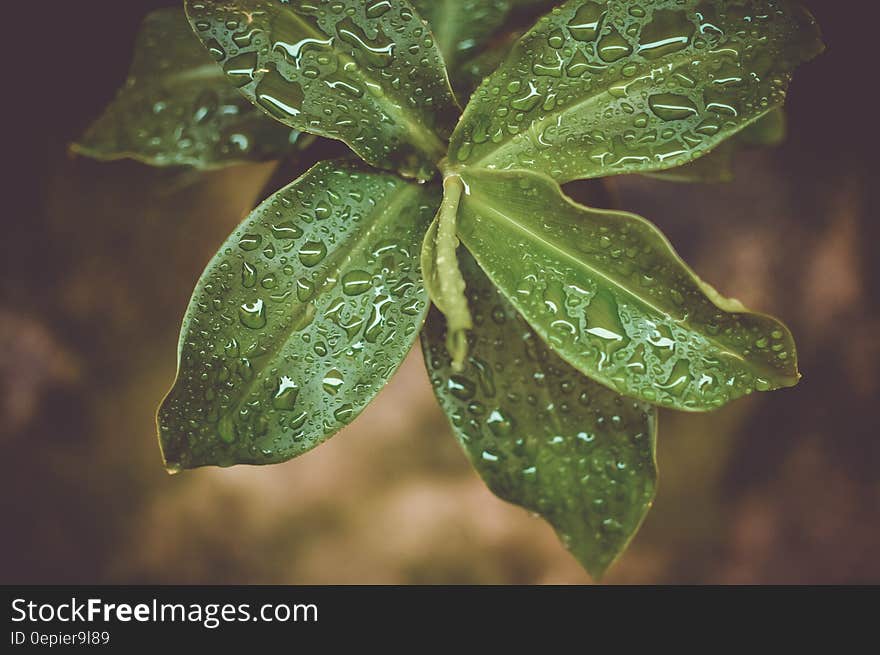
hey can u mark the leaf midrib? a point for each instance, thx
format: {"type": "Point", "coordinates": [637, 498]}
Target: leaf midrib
{"type": "Point", "coordinates": [646, 414]}
{"type": "Point", "coordinates": [594, 271]}
{"type": "Point", "coordinates": [599, 93]}
{"type": "Point", "coordinates": [565, 253]}
{"type": "Point", "coordinates": [340, 256]}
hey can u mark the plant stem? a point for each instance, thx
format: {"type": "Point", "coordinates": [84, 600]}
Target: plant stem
{"type": "Point", "coordinates": [449, 277]}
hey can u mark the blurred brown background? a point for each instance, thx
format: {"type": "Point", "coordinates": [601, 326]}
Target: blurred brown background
{"type": "Point", "coordinates": [100, 259]}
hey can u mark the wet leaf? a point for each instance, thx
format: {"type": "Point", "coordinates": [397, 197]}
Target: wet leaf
{"type": "Point", "coordinates": [177, 109]}
{"type": "Point", "coordinates": [540, 433]}
{"type": "Point", "coordinates": [605, 87]}
{"type": "Point", "coordinates": [300, 319]}
{"type": "Point", "coordinates": [608, 293]}
{"type": "Point", "coordinates": [367, 73]}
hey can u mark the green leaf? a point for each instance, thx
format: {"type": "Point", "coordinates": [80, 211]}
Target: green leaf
{"type": "Point", "coordinates": [176, 108]}
{"type": "Point", "coordinates": [366, 73]}
{"type": "Point", "coordinates": [443, 279]}
{"type": "Point", "coordinates": [608, 293]}
{"type": "Point", "coordinates": [299, 320]}
{"type": "Point", "coordinates": [541, 434]}
{"type": "Point", "coordinates": [598, 88]}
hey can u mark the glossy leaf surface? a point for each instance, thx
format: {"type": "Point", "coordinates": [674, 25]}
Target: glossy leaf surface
{"type": "Point", "coordinates": [540, 433]}
{"type": "Point", "coordinates": [367, 73]}
{"type": "Point", "coordinates": [608, 293]}
{"type": "Point", "coordinates": [301, 318]}
{"type": "Point", "coordinates": [603, 87]}
{"type": "Point", "coordinates": [177, 109]}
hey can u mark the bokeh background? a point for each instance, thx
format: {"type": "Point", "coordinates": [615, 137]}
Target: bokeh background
{"type": "Point", "coordinates": [99, 261]}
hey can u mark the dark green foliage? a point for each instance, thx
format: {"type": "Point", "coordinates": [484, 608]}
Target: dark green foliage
{"type": "Point", "coordinates": [557, 327]}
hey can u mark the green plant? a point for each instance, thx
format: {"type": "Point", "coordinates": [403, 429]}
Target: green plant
{"type": "Point", "coordinates": [559, 328]}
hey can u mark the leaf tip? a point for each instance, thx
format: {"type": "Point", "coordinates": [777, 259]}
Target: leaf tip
{"type": "Point", "coordinates": [596, 567]}
{"type": "Point", "coordinates": [172, 467]}
{"type": "Point", "coordinates": [82, 149]}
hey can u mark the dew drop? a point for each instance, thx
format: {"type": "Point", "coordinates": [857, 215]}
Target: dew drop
{"type": "Point", "coordinates": [285, 395]}
{"type": "Point", "coordinates": [332, 382]}
{"type": "Point", "coordinates": [500, 423]}
{"type": "Point", "coordinates": [253, 315]}
{"type": "Point", "coordinates": [378, 52]}
{"type": "Point", "coordinates": [528, 101]}
{"type": "Point", "coordinates": [312, 253]}
{"type": "Point", "coordinates": [240, 69]}
{"type": "Point", "coordinates": [587, 21]}
{"type": "Point", "coordinates": [280, 97]}
{"type": "Point", "coordinates": [286, 231]}
{"type": "Point", "coordinates": [344, 414]}
{"type": "Point", "coordinates": [248, 275]}
{"type": "Point", "coordinates": [216, 50]}
{"type": "Point", "coordinates": [613, 46]}
{"type": "Point", "coordinates": [672, 107]}
{"type": "Point", "coordinates": [377, 8]}
{"type": "Point", "coordinates": [355, 283]}
{"type": "Point", "coordinates": [461, 387]}
{"type": "Point", "coordinates": [668, 32]}
{"type": "Point", "coordinates": [250, 242]}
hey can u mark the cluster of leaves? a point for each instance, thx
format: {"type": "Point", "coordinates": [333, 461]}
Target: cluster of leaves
{"type": "Point", "coordinates": [558, 328]}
